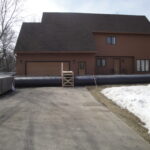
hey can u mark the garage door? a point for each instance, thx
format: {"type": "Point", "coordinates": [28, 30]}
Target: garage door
{"type": "Point", "coordinates": [45, 68]}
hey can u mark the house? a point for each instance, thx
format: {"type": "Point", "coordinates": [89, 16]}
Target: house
{"type": "Point", "coordinates": [86, 44]}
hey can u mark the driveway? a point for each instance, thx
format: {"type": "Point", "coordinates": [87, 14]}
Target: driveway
{"type": "Point", "coordinates": [62, 119]}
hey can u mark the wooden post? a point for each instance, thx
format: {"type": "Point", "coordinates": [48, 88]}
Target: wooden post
{"type": "Point", "coordinates": [62, 67]}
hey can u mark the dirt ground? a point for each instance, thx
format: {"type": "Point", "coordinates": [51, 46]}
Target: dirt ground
{"type": "Point", "coordinates": [131, 120]}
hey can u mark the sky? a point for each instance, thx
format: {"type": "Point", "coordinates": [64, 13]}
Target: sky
{"type": "Point", "coordinates": [33, 9]}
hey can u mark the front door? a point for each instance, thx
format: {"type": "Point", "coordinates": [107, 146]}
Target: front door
{"type": "Point", "coordinates": [116, 66]}
{"type": "Point", "coordinates": [82, 68]}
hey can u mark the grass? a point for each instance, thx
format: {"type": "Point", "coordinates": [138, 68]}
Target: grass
{"type": "Point", "coordinates": [130, 119]}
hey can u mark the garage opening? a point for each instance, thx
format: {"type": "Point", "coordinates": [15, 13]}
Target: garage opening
{"type": "Point", "coordinates": [45, 68]}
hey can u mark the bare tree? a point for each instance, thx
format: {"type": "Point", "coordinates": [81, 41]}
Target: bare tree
{"type": "Point", "coordinates": [9, 16]}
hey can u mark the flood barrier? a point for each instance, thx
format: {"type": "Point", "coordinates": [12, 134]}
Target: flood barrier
{"type": "Point", "coordinates": [82, 80]}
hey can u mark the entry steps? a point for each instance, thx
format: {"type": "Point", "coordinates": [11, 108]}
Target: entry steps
{"type": "Point", "coordinates": [67, 78]}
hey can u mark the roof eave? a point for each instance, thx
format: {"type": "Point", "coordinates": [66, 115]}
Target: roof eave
{"type": "Point", "coordinates": [54, 52]}
{"type": "Point", "coordinates": [131, 33]}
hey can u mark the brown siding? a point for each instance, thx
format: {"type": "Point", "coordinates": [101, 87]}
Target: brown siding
{"type": "Point", "coordinates": [23, 59]}
{"type": "Point", "coordinates": [125, 65]}
{"type": "Point", "coordinates": [127, 50]}
{"type": "Point", "coordinates": [127, 45]}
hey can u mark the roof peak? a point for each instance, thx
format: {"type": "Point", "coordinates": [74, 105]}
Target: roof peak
{"type": "Point", "coordinates": [84, 13]}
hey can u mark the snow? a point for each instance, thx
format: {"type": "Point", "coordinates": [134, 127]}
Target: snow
{"type": "Point", "coordinates": [135, 99]}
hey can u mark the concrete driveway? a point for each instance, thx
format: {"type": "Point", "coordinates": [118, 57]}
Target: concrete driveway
{"type": "Point", "coordinates": [62, 119]}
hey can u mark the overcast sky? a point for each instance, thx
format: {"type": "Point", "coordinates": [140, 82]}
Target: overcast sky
{"type": "Point", "coordinates": [33, 8]}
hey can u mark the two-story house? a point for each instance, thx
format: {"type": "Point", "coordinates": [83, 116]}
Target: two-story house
{"type": "Point", "coordinates": [86, 44]}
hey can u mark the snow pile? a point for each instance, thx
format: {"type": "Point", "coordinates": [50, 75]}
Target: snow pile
{"type": "Point", "coordinates": [134, 98]}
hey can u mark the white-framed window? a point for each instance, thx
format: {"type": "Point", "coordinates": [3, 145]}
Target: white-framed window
{"type": "Point", "coordinates": [111, 40]}
{"type": "Point", "coordinates": [138, 65]}
{"type": "Point", "coordinates": [143, 65]}
{"type": "Point", "coordinates": [100, 62]}
{"type": "Point", "coordinates": [147, 65]}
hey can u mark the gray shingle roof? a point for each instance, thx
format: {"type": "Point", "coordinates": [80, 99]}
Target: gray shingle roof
{"type": "Point", "coordinates": [74, 31]}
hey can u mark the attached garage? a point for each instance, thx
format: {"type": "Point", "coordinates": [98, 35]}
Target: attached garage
{"type": "Point", "coordinates": [45, 68]}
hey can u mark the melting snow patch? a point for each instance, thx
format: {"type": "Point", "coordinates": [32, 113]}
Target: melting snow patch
{"type": "Point", "coordinates": [135, 99]}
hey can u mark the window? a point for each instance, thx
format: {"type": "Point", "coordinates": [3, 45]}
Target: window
{"type": "Point", "coordinates": [82, 65]}
{"type": "Point", "coordinates": [111, 40]}
{"type": "Point", "coordinates": [146, 65]}
{"type": "Point", "coordinates": [138, 68]}
{"type": "Point", "coordinates": [142, 65]}
{"type": "Point", "coordinates": [101, 62]}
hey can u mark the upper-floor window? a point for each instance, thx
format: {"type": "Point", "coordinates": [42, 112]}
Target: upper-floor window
{"type": "Point", "coordinates": [143, 65]}
{"type": "Point", "coordinates": [101, 62]}
{"type": "Point", "coordinates": [111, 40]}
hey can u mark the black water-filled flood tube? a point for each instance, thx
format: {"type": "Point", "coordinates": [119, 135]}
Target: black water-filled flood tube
{"type": "Point", "coordinates": [112, 79]}
{"type": "Point", "coordinates": [37, 81]}
{"type": "Point", "coordinates": [82, 80]}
